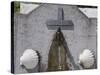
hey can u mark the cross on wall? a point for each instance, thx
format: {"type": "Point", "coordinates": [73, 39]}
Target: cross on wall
{"type": "Point", "coordinates": [60, 22]}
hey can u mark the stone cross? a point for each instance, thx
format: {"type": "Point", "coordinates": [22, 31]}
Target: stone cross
{"type": "Point", "coordinates": [60, 22]}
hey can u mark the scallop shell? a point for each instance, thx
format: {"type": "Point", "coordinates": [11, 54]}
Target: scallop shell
{"type": "Point", "coordinates": [29, 59]}
{"type": "Point", "coordinates": [86, 58]}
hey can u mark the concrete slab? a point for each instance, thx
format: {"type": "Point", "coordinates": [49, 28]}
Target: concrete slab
{"type": "Point", "coordinates": [31, 32]}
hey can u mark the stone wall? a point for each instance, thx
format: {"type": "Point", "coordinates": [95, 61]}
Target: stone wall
{"type": "Point", "coordinates": [31, 32]}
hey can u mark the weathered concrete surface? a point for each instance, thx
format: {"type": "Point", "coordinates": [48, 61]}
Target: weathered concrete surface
{"type": "Point", "coordinates": [89, 12]}
{"type": "Point", "coordinates": [26, 8]}
{"type": "Point", "coordinates": [31, 32]}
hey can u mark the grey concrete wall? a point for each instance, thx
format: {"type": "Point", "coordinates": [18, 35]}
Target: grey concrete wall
{"type": "Point", "coordinates": [31, 32]}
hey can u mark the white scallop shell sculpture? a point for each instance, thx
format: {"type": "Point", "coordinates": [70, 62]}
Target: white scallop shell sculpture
{"type": "Point", "coordinates": [86, 58]}
{"type": "Point", "coordinates": [29, 59]}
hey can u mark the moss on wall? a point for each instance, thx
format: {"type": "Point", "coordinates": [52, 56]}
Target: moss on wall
{"type": "Point", "coordinates": [16, 7]}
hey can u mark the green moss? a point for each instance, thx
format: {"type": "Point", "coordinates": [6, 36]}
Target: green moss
{"type": "Point", "coordinates": [16, 7]}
